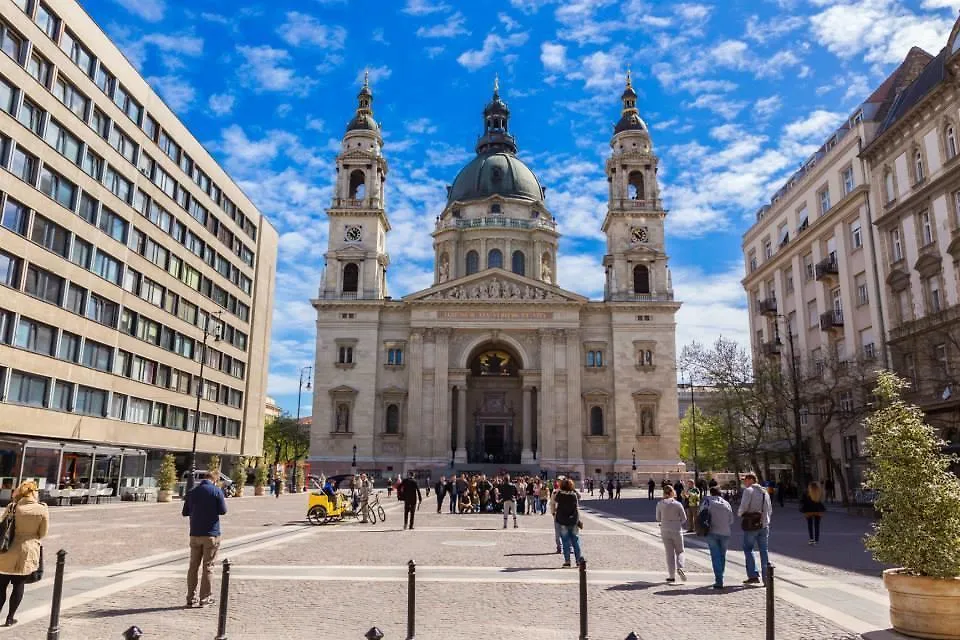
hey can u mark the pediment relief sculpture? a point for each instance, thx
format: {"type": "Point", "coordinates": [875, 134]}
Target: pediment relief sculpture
{"type": "Point", "coordinates": [494, 289]}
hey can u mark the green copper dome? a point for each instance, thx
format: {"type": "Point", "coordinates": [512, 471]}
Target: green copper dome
{"type": "Point", "coordinates": [500, 173]}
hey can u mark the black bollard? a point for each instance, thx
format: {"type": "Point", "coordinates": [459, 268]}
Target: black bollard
{"type": "Point", "coordinates": [771, 632]}
{"type": "Point", "coordinates": [53, 632]}
{"type": "Point", "coordinates": [411, 600]}
{"type": "Point", "coordinates": [373, 634]}
{"type": "Point", "coordinates": [224, 596]}
{"type": "Point", "coordinates": [633, 636]}
{"type": "Point", "coordinates": [583, 600]}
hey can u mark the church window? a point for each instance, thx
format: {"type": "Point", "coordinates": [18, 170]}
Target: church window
{"type": "Point", "coordinates": [519, 263]}
{"type": "Point", "coordinates": [345, 355]}
{"type": "Point", "coordinates": [951, 142]}
{"type": "Point", "coordinates": [596, 421]}
{"type": "Point", "coordinates": [595, 358]}
{"type": "Point", "coordinates": [395, 356]}
{"type": "Point", "coordinates": [343, 418]}
{"type": "Point", "coordinates": [636, 185]}
{"type": "Point", "coordinates": [495, 208]}
{"type": "Point", "coordinates": [351, 277]}
{"type": "Point", "coordinates": [495, 259]}
{"type": "Point", "coordinates": [393, 419]}
{"type": "Point", "coordinates": [358, 184]}
{"type": "Point", "coordinates": [641, 279]}
{"type": "Point", "coordinates": [473, 262]}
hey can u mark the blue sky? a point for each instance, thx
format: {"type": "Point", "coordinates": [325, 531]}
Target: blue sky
{"type": "Point", "coordinates": [737, 94]}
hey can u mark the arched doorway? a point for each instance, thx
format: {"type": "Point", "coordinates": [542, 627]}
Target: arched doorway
{"type": "Point", "coordinates": [494, 405]}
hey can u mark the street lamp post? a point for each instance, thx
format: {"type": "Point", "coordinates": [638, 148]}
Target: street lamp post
{"type": "Point", "coordinates": [196, 417]}
{"type": "Point", "coordinates": [308, 370]}
{"type": "Point", "coordinates": [693, 425]}
{"type": "Point", "coordinates": [795, 404]}
{"type": "Point", "coordinates": [354, 462]}
{"type": "Point", "coordinates": [634, 452]}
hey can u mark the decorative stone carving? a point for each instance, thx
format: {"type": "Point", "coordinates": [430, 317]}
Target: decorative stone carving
{"type": "Point", "coordinates": [646, 421]}
{"type": "Point", "coordinates": [546, 274]}
{"type": "Point", "coordinates": [494, 289]}
{"type": "Point", "coordinates": [444, 268]}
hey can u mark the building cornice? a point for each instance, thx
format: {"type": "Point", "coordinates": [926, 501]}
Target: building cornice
{"type": "Point", "coordinates": [888, 141]}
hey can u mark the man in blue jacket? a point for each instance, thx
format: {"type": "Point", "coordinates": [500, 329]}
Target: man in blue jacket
{"type": "Point", "coordinates": [203, 505]}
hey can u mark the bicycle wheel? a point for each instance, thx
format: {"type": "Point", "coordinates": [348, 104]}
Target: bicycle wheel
{"type": "Point", "coordinates": [371, 516]}
{"type": "Point", "coordinates": [382, 514]}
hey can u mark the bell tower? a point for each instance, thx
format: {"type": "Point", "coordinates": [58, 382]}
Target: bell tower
{"type": "Point", "coordinates": [356, 259]}
{"type": "Point", "coordinates": [636, 259]}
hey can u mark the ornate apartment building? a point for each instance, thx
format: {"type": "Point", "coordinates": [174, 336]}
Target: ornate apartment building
{"type": "Point", "coordinates": [495, 365]}
{"type": "Point", "coordinates": [121, 241]}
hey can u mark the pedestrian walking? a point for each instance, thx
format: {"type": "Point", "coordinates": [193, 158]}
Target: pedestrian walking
{"type": "Point", "coordinates": [409, 492]}
{"type": "Point", "coordinates": [568, 521]}
{"type": "Point", "coordinates": [277, 485]}
{"type": "Point", "coordinates": [509, 492]}
{"type": "Point", "coordinates": [462, 488]}
{"type": "Point", "coordinates": [610, 489]}
{"type": "Point", "coordinates": [651, 485]}
{"type": "Point", "coordinates": [678, 490]}
{"type": "Point", "coordinates": [755, 511]}
{"type": "Point", "coordinates": [439, 490]}
{"type": "Point", "coordinates": [671, 515]}
{"type": "Point", "coordinates": [364, 491]}
{"type": "Point", "coordinates": [590, 481]}
{"type": "Point", "coordinates": [22, 563]}
{"type": "Point", "coordinates": [691, 501]}
{"type": "Point", "coordinates": [812, 507]}
{"type": "Point", "coordinates": [718, 533]}
{"type": "Point", "coordinates": [450, 488]}
{"type": "Point", "coordinates": [602, 489]}
{"type": "Point", "coordinates": [619, 487]}
{"type": "Point", "coordinates": [781, 492]}
{"type": "Point", "coordinates": [204, 505]}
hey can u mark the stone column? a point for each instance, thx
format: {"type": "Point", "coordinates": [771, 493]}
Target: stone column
{"type": "Point", "coordinates": [526, 452]}
{"type": "Point", "coordinates": [415, 429]}
{"type": "Point", "coordinates": [441, 396]}
{"type": "Point", "coordinates": [461, 453]}
{"type": "Point", "coordinates": [574, 414]}
{"type": "Point", "coordinates": [548, 449]}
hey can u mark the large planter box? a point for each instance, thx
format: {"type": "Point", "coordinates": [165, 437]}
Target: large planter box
{"type": "Point", "coordinates": [924, 607]}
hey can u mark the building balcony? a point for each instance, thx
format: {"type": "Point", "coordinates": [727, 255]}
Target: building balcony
{"type": "Point", "coordinates": [831, 320]}
{"type": "Point", "coordinates": [926, 323]}
{"type": "Point", "coordinates": [827, 268]}
{"type": "Point", "coordinates": [772, 348]}
{"type": "Point", "coordinates": [500, 222]}
{"type": "Point", "coordinates": [639, 297]}
{"type": "Point", "coordinates": [348, 295]}
{"type": "Point", "coordinates": [768, 307]}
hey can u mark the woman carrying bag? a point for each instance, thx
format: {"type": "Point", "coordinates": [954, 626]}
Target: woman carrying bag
{"type": "Point", "coordinates": [22, 562]}
{"type": "Point", "coordinates": [812, 507]}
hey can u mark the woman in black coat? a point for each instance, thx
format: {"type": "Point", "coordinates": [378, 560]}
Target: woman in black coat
{"type": "Point", "coordinates": [812, 507]}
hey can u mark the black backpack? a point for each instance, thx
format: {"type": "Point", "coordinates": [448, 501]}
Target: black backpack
{"type": "Point", "coordinates": [703, 519]}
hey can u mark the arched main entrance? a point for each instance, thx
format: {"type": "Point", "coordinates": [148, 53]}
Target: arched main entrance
{"type": "Point", "coordinates": [494, 401]}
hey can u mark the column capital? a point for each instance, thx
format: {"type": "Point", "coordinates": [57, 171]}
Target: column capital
{"type": "Point", "coordinates": [572, 334]}
{"type": "Point", "coordinates": [547, 334]}
{"type": "Point", "coordinates": [442, 332]}
{"type": "Point", "coordinates": [416, 334]}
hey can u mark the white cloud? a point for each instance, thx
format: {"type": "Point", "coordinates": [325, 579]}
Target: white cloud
{"type": "Point", "coordinates": [315, 124]}
{"type": "Point", "coordinates": [149, 10]}
{"type": "Point", "coordinates": [221, 103]}
{"type": "Point", "coordinates": [692, 12]}
{"type": "Point", "coordinates": [714, 304]}
{"type": "Point", "coordinates": [730, 53]}
{"type": "Point", "coordinates": [508, 23]}
{"type": "Point", "coordinates": [721, 105]}
{"type": "Point", "coordinates": [582, 273]}
{"type": "Point", "coordinates": [553, 56]}
{"type": "Point", "coordinates": [767, 107]}
{"type": "Point", "coordinates": [301, 29]}
{"type": "Point", "coordinates": [182, 44]}
{"type": "Point", "coordinates": [175, 91]}
{"type": "Point", "coordinates": [269, 69]}
{"type": "Point", "coordinates": [378, 36]}
{"type": "Point", "coordinates": [602, 70]}
{"type": "Point", "coordinates": [420, 126]}
{"type": "Point", "coordinates": [424, 7]}
{"type": "Point", "coordinates": [814, 127]}
{"type": "Point", "coordinates": [492, 45]}
{"type": "Point", "coordinates": [433, 52]}
{"type": "Point", "coordinates": [760, 31]}
{"type": "Point", "coordinates": [451, 28]}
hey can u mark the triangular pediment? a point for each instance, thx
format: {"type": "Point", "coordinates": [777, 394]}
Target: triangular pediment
{"type": "Point", "coordinates": [495, 285]}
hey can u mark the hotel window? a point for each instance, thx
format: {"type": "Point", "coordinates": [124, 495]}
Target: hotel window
{"type": "Point", "coordinates": [131, 280]}
{"type": "Point", "coordinates": [57, 187]}
{"type": "Point", "coordinates": [767, 249]}
{"type": "Point", "coordinates": [783, 234]}
{"type": "Point", "coordinates": [127, 104]}
{"type": "Point", "coordinates": [888, 188]}
{"type": "Point", "coordinates": [150, 127]}
{"type": "Point", "coordinates": [28, 389]}
{"type": "Point", "coordinates": [71, 97]}
{"type": "Point", "coordinates": [88, 208]}
{"type": "Point", "coordinates": [9, 270]}
{"type": "Point", "coordinates": [97, 356]}
{"type": "Point", "coordinates": [8, 96]}
{"type": "Point", "coordinates": [860, 283]}
{"type": "Point", "coordinates": [808, 269]}
{"type": "Point", "coordinates": [113, 225]}
{"type": "Point", "coordinates": [76, 299]}
{"type": "Point", "coordinates": [149, 331]}
{"type": "Point", "coordinates": [856, 234]}
{"type": "Point", "coordinates": [24, 166]}
{"type": "Point", "coordinates": [151, 292]}
{"type": "Point", "coordinates": [81, 252]}
{"type": "Point", "coordinates": [595, 358]}
{"type": "Point", "coordinates": [107, 267]}
{"type": "Point", "coordinates": [918, 166]}
{"type": "Point", "coordinates": [6, 326]}
{"type": "Point", "coordinates": [31, 116]}
{"type": "Point", "coordinates": [804, 218]}
{"type": "Point", "coordinates": [145, 164]}
{"type": "Point", "coordinates": [813, 318]}
{"type": "Point", "coordinates": [48, 21]}
{"type": "Point", "coordinates": [101, 310]}
{"type": "Point", "coordinates": [11, 42]}
{"type": "Point", "coordinates": [77, 52]}
{"type": "Point", "coordinates": [105, 80]}
{"type": "Point", "coordinates": [752, 259]}
{"type": "Point", "coordinates": [50, 235]}
{"type": "Point", "coordinates": [118, 185]}
{"type": "Point", "coordinates": [118, 406]}
{"type": "Point", "coordinates": [846, 177]}
{"type": "Point", "coordinates": [44, 285]}
{"type": "Point", "coordinates": [926, 229]}
{"type": "Point", "coordinates": [91, 402]}
{"type": "Point", "coordinates": [824, 196]}
{"type": "Point", "coordinates": [100, 123]}
{"type": "Point", "coordinates": [950, 142]}
{"type": "Point", "coordinates": [40, 68]}
{"type": "Point", "coordinates": [168, 146]}
{"type": "Point", "coordinates": [92, 165]}
{"type": "Point", "coordinates": [35, 336]}
{"type": "Point", "coordinates": [63, 141]}
{"type": "Point", "coordinates": [122, 143]}
{"type": "Point", "coordinates": [16, 217]}
{"type": "Point", "coordinates": [163, 180]}
{"type": "Point", "coordinates": [896, 248]}
{"type": "Point", "coordinates": [62, 396]}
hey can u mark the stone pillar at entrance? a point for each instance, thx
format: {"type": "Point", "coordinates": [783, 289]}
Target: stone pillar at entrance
{"type": "Point", "coordinates": [441, 396]}
{"type": "Point", "coordinates": [415, 432]}
{"type": "Point", "coordinates": [461, 453]}
{"type": "Point", "coordinates": [526, 453]}
{"type": "Point", "coordinates": [547, 442]}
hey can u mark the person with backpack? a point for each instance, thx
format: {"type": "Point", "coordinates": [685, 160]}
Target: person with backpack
{"type": "Point", "coordinates": [755, 511]}
{"type": "Point", "coordinates": [714, 521]}
{"type": "Point", "coordinates": [567, 518]}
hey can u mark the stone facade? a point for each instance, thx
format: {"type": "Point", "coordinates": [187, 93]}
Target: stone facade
{"type": "Point", "coordinates": [495, 364]}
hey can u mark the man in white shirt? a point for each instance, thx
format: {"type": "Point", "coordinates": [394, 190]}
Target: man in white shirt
{"type": "Point", "coordinates": [755, 500]}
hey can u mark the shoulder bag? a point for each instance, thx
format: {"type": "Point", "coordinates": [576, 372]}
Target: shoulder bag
{"type": "Point", "coordinates": [8, 529]}
{"type": "Point", "coordinates": [752, 520]}
{"type": "Point", "coordinates": [37, 575]}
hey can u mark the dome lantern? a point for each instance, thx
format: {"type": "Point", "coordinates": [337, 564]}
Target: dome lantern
{"type": "Point", "coordinates": [630, 119]}
{"type": "Point", "coordinates": [363, 119]}
{"type": "Point", "coordinates": [496, 123]}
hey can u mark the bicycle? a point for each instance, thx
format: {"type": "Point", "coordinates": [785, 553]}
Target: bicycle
{"type": "Point", "coordinates": [374, 502]}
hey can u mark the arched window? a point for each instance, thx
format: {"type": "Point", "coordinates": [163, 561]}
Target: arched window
{"type": "Point", "coordinates": [358, 184]}
{"type": "Point", "coordinates": [473, 262]}
{"type": "Point", "coordinates": [596, 421]}
{"type": "Point", "coordinates": [393, 419]}
{"type": "Point", "coordinates": [918, 165]}
{"type": "Point", "coordinates": [494, 259]}
{"type": "Point", "coordinates": [951, 142]}
{"type": "Point", "coordinates": [343, 418]}
{"type": "Point", "coordinates": [351, 277]}
{"type": "Point", "coordinates": [889, 191]}
{"type": "Point", "coordinates": [636, 185]}
{"type": "Point", "coordinates": [519, 263]}
{"type": "Point", "coordinates": [641, 279]}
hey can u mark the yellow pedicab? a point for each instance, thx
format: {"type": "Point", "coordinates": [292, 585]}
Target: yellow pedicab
{"type": "Point", "coordinates": [321, 508]}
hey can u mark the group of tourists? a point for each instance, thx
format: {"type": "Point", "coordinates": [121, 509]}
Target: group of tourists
{"type": "Point", "coordinates": [608, 487]}
{"type": "Point", "coordinates": [524, 495]}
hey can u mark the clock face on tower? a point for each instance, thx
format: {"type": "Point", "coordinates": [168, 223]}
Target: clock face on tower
{"type": "Point", "coordinates": [639, 234]}
{"type": "Point", "coordinates": [353, 234]}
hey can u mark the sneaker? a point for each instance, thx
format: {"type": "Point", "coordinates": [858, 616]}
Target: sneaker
{"type": "Point", "coordinates": [752, 580]}
{"type": "Point", "coordinates": [206, 602]}
{"type": "Point", "coordinates": [565, 565]}
{"type": "Point", "coordinates": [682, 575]}
{"type": "Point", "coordinates": [811, 542]}
{"type": "Point", "coordinates": [671, 580]}
{"type": "Point", "coordinates": [191, 604]}
{"type": "Point", "coordinates": [718, 586]}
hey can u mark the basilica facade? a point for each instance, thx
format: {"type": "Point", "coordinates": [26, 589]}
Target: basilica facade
{"type": "Point", "coordinates": [495, 366]}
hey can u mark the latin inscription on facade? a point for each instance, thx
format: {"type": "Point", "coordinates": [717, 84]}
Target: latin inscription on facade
{"type": "Point", "coordinates": [494, 315]}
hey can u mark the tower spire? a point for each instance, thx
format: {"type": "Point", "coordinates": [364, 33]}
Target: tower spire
{"type": "Point", "coordinates": [496, 84]}
{"type": "Point", "coordinates": [629, 114]}
{"type": "Point", "coordinates": [363, 118]}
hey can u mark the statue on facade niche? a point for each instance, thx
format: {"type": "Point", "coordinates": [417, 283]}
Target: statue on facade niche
{"type": "Point", "coordinates": [545, 273]}
{"type": "Point", "coordinates": [646, 422]}
{"type": "Point", "coordinates": [343, 418]}
{"type": "Point", "coordinates": [444, 268]}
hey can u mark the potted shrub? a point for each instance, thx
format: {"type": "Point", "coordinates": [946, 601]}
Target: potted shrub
{"type": "Point", "coordinates": [260, 477]}
{"type": "Point", "coordinates": [300, 477]}
{"type": "Point", "coordinates": [919, 530]}
{"type": "Point", "coordinates": [239, 476]}
{"type": "Point", "coordinates": [166, 478]}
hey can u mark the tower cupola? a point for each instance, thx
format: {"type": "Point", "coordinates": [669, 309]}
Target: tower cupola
{"type": "Point", "coordinates": [363, 119]}
{"type": "Point", "coordinates": [496, 125]}
{"type": "Point", "coordinates": [629, 117]}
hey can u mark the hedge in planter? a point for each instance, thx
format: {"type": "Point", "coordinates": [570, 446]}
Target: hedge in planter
{"type": "Point", "coordinates": [166, 478]}
{"type": "Point", "coordinates": [919, 501]}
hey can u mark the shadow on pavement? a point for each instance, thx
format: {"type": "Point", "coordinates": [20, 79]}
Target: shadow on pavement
{"type": "Point", "coordinates": [524, 555]}
{"type": "Point", "coordinates": [634, 586]}
{"type": "Point", "coordinates": [702, 591]}
{"type": "Point", "coordinates": [116, 613]}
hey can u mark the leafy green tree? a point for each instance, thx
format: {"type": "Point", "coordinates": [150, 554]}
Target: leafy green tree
{"type": "Point", "coordinates": [284, 439]}
{"type": "Point", "coordinates": [711, 449]}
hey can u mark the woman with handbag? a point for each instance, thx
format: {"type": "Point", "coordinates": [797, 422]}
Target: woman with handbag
{"type": "Point", "coordinates": [811, 505]}
{"type": "Point", "coordinates": [22, 562]}
{"type": "Point", "coordinates": [567, 517]}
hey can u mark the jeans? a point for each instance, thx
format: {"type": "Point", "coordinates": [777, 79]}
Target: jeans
{"type": "Point", "coordinates": [813, 527]}
{"type": "Point", "coordinates": [760, 539]}
{"type": "Point", "coordinates": [454, 497]}
{"type": "Point", "coordinates": [673, 549]}
{"type": "Point", "coordinates": [718, 555]}
{"type": "Point", "coordinates": [203, 551]}
{"type": "Point", "coordinates": [571, 538]}
{"type": "Point", "coordinates": [556, 533]}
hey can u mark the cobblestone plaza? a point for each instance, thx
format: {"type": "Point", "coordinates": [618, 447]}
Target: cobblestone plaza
{"type": "Point", "coordinates": [126, 566]}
